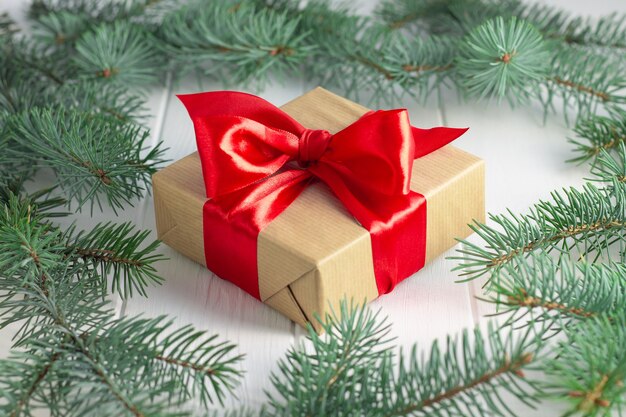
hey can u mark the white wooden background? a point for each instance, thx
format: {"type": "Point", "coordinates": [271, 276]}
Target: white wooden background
{"type": "Point", "coordinates": [524, 159]}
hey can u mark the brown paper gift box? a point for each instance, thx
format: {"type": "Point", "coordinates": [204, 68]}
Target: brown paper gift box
{"type": "Point", "coordinates": [315, 254]}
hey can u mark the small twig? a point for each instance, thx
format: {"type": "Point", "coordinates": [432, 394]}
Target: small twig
{"type": "Point", "coordinates": [594, 397]}
{"type": "Point", "coordinates": [40, 377]}
{"type": "Point", "coordinates": [185, 364]}
{"type": "Point", "coordinates": [507, 367]}
{"type": "Point", "coordinates": [582, 88]}
{"type": "Point", "coordinates": [106, 255]}
{"type": "Point", "coordinates": [564, 234]}
{"type": "Point", "coordinates": [524, 300]}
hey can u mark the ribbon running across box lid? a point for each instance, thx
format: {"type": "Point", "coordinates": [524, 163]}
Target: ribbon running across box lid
{"type": "Point", "coordinates": [257, 161]}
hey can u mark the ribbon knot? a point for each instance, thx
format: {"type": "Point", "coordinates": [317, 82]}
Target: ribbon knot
{"type": "Point", "coordinates": [312, 145]}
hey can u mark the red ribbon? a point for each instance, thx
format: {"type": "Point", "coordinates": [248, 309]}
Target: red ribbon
{"type": "Point", "coordinates": [256, 160]}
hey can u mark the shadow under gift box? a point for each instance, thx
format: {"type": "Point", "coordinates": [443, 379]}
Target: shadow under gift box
{"type": "Point", "coordinates": [315, 253]}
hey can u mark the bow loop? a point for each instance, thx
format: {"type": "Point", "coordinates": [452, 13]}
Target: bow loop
{"type": "Point", "coordinates": [375, 154]}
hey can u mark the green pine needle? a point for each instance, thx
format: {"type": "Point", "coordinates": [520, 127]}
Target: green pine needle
{"type": "Point", "coordinates": [352, 370]}
{"type": "Point", "coordinates": [598, 133]}
{"type": "Point", "coordinates": [93, 158]}
{"type": "Point", "coordinates": [502, 59]}
{"type": "Point", "coordinates": [589, 367]}
{"type": "Point", "coordinates": [122, 53]}
{"type": "Point", "coordinates": [587, 223]}
{"type": "Point", "coordinates": [541, 289]}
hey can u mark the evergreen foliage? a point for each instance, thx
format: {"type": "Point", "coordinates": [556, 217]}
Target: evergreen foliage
{"type": "Point", "coordinates": [587, 224]}
{"type": "Point", "coordinates": [72, 102]}
{"type": "Point", "coordinates": [71, 355]}
{"type": "Point", "coordinates": [354, 371]}
{"type": "Point", "coordinates": [593, 379]}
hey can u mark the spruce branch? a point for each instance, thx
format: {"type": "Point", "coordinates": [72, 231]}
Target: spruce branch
{"type": "Point", "coordinates": [597, 133]}
{"type": "Point", "coordinates": [610, 168]}
{"type": "Point", "coordinates": [540, 288]}
{"type": "Point", "coordinates": [245, 41]}
{"type": "Point", "coordinates": [62, 28]}
{"type": "Point", "coordinates": [606, 34]}
{"type": "Point", "coordinates": [586, 81]}
{"type": "Point", "coordinates": [588, 222]}
{"type": "Point", "coordinates": [353, 371]}
{"type": "Point", "coordinates": [122, 53]}
{"type": "Point", "coordinates": [92, 358]}
{"type": "Point", "coordinates": [502, 59]}
{"type": "Point", "coordinates": [589, 368]}
{"type": "Point", "coordinates": [116, 252]}
{"type": "Point", "coordinates": [109, 11]}
{"type": "Point", "coordinates": [92, 157]}
{"type": "Point", "coordinates": [378, 61]}
{"type": "Point", "coordinates": [34, 252]}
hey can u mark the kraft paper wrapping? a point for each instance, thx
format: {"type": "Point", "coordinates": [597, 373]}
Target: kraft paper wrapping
{"type": "Point", "coordinates": [315, 254]}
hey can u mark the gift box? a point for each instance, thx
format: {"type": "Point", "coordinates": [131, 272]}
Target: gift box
{"type": "Point", "coordinates": [317, 248]}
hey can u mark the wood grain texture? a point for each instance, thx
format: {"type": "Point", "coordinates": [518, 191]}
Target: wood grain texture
{"type": "Point", "coordinates": [524, 162]}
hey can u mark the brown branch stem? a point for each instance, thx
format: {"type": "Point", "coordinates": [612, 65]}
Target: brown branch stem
{"type": "Point", "coordinates": [186, 364]}
{"type": "Point", "coordinates": [563, 234]}
{"type": "Point", "coordinates": [23, 401]}
{"type": "Point", "coordinates": [106, 255]}
{"type": "Point", "coordinates": [592, 398]}
{"type": "Point", "coordinates": [508, 367]}
{"type": "Point", "coordinates": [581, 88]}
{"type": "Point", "coordinates": [100, 173]}
{"type": "Point", "coordinates": [524, 300]}
{"type": "Point", "coordinates": [408, 68]}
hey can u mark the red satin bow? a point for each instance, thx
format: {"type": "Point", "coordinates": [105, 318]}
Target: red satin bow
{"type": "Point", "coordinates": [256, 160]}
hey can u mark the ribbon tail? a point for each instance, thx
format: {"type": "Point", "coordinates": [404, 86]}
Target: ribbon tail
{"type": "Point", "coordinates": [232, 223]}
{"type": "Point", "coordinates": [429, 140]}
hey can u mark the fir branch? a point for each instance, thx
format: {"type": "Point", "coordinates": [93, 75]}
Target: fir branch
{"type": "Point", "coordinates": [607, 34]}
{"type": "Point", "coordinates": [115, 250]}
{"type": "Point", "coordinates": [588, 222]}
{"type": "Point", "coordinates": [34, 252]}
{"type": "Point", "coordinates": [610, 168]}
{"type": "Point", "coordinates": [92, 157]}
{"type": "Point", "coordinates": [546, 289]}
{"type": "Point", "coordinates": [400, 14]}
{"type": "Point", "coordinates": [342, 375]}
{"type": "Point", "coordinates": [248, 43]}
{"type": "Point", "coordinates": [107, 11]}
{"type": "Point", "coordinates": [502, 59]}
{"type": "Point", "coordinates": [122, 53]}
{"type": "Point", "coordinates": [378, 61]}
{"type": "Point", "coordinates": [62, 28]}
{"type": "Point", "coordinates": [585, 81]}
{"type": "Point", "coordinates": [598, 133]}
{"type": "Point", "coordinates": [486, 378]}
{"type": "Point", "coordinates": [206, 371]}
{"type": "Point", "coordinates": [98, 360]}
{"type": "Point", "coordinates": [31, 376]}
{"type": "Point", "coordinates": [591, 375]}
